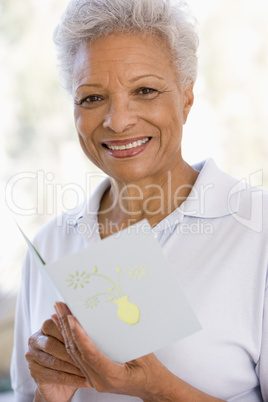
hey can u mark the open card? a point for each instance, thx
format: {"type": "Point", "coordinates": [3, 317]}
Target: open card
{"type": "Point", "coordinates": [122, 292]}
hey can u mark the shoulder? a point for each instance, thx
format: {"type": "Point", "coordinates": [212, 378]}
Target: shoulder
{"type": "Point", "coordinates": [57, 237]}
{"type": "Point", "coordinates": [69, 232]}
{"type": "Point", "coordinates": [253, 208]}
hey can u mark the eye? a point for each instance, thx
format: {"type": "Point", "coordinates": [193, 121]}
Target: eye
{"type": "Point", "coordinates": [90, 101]}
{"type": "Point", "coordinates": [146, 91]}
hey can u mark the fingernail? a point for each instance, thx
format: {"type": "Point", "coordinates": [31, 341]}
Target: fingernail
{"type": "Point", "coordinates": [58, 308]}
{"type": "Point", "coordinates": [70, 321]}
{"type": "Point", "coordinates": [55, 319]}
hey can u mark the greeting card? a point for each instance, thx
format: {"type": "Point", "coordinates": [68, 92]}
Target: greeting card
{"type": "Point", "coordinates": [123, 293]}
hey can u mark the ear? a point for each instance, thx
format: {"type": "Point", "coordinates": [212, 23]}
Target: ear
{"type": "Point", "coordinates": [188, 101]}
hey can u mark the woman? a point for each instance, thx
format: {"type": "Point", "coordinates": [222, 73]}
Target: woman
{"type": "Point", "coordinates": [130, 67]}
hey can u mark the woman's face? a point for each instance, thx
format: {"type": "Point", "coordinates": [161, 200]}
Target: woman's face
{"type": "Point", "coordinates": [129, 109]}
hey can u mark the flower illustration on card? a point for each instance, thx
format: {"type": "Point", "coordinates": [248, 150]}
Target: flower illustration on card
{"type": "Point", "coordinates": [78, 280]}
{"type": "Point", "coordinates": [91, 302]}
{"type": "Point", "coordinates": [127, 311]}
{"type": "Point", "coordinates": [137, 272]}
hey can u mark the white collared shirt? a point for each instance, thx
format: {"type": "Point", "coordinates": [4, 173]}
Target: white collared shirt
{"type": "Point", "coordinates": [217, 245]}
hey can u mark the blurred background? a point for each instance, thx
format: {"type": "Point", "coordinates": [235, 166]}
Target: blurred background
{"type": "Point", "coordinates": [44, 172]}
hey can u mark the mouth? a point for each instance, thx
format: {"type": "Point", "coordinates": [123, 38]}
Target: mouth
{"type": "Point", "coordinates": [125, 144]}
{"type": "Point", "coordinates": [126, 148]}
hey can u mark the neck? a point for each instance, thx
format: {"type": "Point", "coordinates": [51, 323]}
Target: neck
{"type": "Point", "coordinates": [125, 204]}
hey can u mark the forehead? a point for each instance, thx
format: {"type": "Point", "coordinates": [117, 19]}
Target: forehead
{"type": "Point", "coordinates": [123, 53]}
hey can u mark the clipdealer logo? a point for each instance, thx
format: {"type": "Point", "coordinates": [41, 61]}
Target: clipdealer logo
{"type": "Point", "coordinates": [47, 196]}
{"type": "Point", "coordinates": [251, 218]}
{"type": "Point", "coordinates": [52, 198]}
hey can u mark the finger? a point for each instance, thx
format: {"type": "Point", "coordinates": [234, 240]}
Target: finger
{"type": "Point", "coordinates": [50, 346]}
{"type": "Point", "coordinates": [73, 351]}
{"type": "Point", "coordinates": [62, 309]}
{"type": "Point", "coordinates": [51, 362]}
{"type": "Point", "coordinates": [49, 328]}
{"type": "Point", "coordinates": [104, 373]}
{"type": "Point", "coordinates": [63, 313]}
{"type": "Point", "coordinates": [71, 347]}
{"type": "Point", "coordinates": [45, 375]}
{"type": "Point", "coordinates": [55, 320]}
{"type": "Point", "coordinates": [97, 360]}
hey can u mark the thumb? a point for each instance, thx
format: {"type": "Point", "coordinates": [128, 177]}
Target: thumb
{"type": "Point", "coordinates": [94, 357]}
{"type": "Point", "coordinates": [83, 342]}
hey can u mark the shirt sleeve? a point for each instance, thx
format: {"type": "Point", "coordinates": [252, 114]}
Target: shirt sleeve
{"type": "Point", "coordinates": [262, 366]}
{"type": "Point", "coordinates": [21, 380]}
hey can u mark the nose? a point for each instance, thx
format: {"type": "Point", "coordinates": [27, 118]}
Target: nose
{"type": "Point", "coordinates": [120, 116]}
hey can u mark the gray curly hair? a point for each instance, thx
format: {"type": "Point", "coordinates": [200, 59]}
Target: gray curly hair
{"type": "Point", "coordinates": [85, 20]}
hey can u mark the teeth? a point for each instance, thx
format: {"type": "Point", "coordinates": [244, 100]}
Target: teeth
{"type": "Point", "coordinates": [128, 146]}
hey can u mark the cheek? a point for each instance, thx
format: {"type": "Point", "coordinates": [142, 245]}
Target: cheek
{"type": "Point", "coordinates": [86, 122]}
{"type": "Point", "coordinates": [167, 113]}
{"type": "Point", "coordinates": [79, 123]}
{"type": "Point", "coordinates": [85, 129]}
{"type": "Point", "coordinates": [82, 127]}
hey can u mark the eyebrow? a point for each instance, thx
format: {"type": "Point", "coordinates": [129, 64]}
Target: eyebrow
{"type": "Point", "coordinates": [131, 81]}
{"type": "Point", "coordinates": [89, 85]}
{"type": "Point", "coordinates": [146, 76]}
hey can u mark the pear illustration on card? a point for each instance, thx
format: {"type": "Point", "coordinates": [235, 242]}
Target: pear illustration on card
{"type": "Point", "coordinates": [127, 311]}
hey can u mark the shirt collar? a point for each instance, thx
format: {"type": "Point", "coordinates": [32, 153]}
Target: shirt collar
{"type": "Point", "coordinates": [214, 194]}
{"type": "Point", "coordinates": [89, 209]}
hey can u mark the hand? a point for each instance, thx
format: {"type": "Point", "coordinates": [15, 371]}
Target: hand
{"type": "Point", "coordinates": [142, 377]}
{"type": "Point", "coordinates": [54, 371]}
{"type": "Point", "coordinates": [145, 377]}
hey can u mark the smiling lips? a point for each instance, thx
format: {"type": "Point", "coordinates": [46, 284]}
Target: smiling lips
{"type": "Point", "coordinates": [125, 149]}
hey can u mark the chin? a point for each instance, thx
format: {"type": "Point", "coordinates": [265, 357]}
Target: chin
{"type": "Point", "coordinates": [128, 175]}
